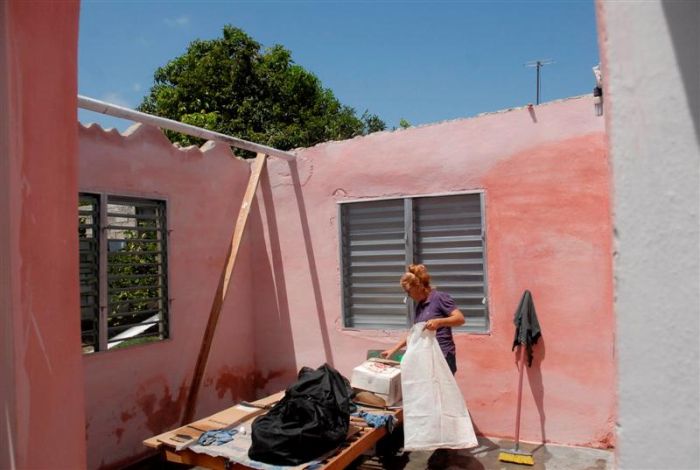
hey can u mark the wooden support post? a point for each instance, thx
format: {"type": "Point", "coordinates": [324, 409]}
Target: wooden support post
{"type": "Point", "coordinates": [222, 289]}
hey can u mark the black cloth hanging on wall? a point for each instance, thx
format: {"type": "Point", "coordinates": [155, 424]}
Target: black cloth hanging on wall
{"type": "Point", "coordinates": [527, 327]}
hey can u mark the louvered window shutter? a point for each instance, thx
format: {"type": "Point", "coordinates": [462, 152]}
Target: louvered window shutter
{"type": "Point", "coordinates": [449, 241]}
{"type": "Point", "coordinates": [89, 244]}
{"type": "Point", "coordinates": [373, 250]}
{"type": "Point", "coordinates": [380, 238]}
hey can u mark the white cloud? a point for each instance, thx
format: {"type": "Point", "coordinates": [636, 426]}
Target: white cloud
{"type": "Point", "coordinates": [136, 87]}
{"type": "Point", "coordinates": [178, 22]}
{"type": "Point", "coordinates": [142, 41]}
{"type": "Point", "coordinates": [115, 98]}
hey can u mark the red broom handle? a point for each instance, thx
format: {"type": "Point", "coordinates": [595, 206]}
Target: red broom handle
{"type": "Point", "coordinates": [521, 364]}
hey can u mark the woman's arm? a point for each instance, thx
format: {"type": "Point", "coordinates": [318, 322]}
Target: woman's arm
{"type": "Point", "coordinates": [390, 352]}
{"type": "Point", "coordinates": [455, 318]}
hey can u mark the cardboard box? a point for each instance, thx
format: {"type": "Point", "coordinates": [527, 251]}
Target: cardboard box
{"type": "Point", "coordinates": [379, 378]}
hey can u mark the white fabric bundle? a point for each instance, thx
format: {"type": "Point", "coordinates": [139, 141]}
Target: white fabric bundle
{"type": "Point", "coordinates": [435, 415]}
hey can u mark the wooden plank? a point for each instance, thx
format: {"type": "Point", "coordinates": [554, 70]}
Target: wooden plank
{"type": "Point", "coordinates": [358, 441]}
{"type": "Point", "coordinates": [367, 438]}
{"type": "Point", "coordinates": [243, 218]}
{"type": "Point", "coordinates": [187, 457]}
{"type": "Point", "coordinates": [222, 289]}
{"type": "Point", "coordinates": [222, 419]}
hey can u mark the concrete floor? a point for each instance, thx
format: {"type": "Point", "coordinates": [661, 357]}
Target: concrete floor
{"type": "Point", "coordinates": [550, 457]}
{"type": "Point", "coordinates": [484, 457]}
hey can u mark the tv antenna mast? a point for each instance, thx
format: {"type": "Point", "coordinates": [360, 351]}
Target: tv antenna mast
{"type": "Point", "coordinates": [538, 64]}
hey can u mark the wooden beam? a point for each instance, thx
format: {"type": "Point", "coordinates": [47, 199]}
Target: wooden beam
{"type": "Point", "coordinates": [223, 287]}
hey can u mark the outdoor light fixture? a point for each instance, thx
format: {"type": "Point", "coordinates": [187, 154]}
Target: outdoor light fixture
{"type": "Point", "coordinates": [598, 91]}
{"type": "Point", "coordinates": [598, 100]}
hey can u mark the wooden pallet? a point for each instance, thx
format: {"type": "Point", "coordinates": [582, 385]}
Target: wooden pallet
{"type": "Point", "coordinates": [174, 448]}
{"type": "Point", "coordinates": [358, 444]}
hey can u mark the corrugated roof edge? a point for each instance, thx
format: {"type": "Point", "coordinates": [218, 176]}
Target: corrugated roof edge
{"type": "Point", "coordinates": [141, 131]}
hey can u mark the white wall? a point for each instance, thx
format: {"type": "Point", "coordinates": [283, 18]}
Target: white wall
{"type": "Point", "coordinates": [651, 54]}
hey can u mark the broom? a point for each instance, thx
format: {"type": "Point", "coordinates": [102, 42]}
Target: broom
{"type": "Point", "coordinates": [515, 455]}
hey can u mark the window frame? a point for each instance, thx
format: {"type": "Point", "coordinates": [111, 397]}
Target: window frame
{"type": "Point", "coordinates": [411, 255]}
{"type": "Point", "coordinates": [104, 199]}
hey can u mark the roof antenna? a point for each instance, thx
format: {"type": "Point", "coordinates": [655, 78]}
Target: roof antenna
{"type": "Point", "coordinates": [539, 64]}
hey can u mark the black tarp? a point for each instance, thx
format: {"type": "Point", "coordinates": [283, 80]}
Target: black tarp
{"type": "Point", "coordinates": [312, 419]}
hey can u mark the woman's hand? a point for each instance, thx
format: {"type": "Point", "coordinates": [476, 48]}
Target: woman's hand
{"type": "Point", "coordinates": [387, 354]}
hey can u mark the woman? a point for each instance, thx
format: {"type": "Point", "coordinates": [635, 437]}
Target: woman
{"type": "Point", "coordinates": [437, 309]}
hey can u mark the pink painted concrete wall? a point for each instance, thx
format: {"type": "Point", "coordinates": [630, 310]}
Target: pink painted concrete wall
{"type": "Point", "coordinates": [39, 326]}
{"type": "Point", "coordinates": [548, 224]}
{"type": "Point", "coordinates": [546, 180]}
{"type": "Point", "coordinates": [654, 145]}
{"type": "Point", "coordinates": [136, 392]}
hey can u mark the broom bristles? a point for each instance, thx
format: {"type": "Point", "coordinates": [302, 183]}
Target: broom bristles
{"type": "Point", "coordinates": [516, 456]}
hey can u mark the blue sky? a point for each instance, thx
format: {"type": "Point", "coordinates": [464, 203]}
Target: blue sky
{"type": "Point", "coordinates": [418, 60]}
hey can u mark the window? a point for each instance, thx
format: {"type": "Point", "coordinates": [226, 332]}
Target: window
{"type": "Point", "coordinates": [123, 271]}
{"type": "Point", "coordinates": [380, 238]}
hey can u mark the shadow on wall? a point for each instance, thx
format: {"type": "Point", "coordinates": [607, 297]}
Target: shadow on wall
{"type": "Point", "coordinates": [682, 19]}
{"type": "Point", "coordinates": [534, 379]}
{"type": "Point", "coordinates": [275, 354]}
{"type": "Point", "coordinates": [274, 347]}
{"type": "Point", "coordinates": [313, 272]}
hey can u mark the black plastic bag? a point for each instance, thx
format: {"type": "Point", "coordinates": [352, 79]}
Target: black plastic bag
{"type": "Point", "coordinates": [312, 419]}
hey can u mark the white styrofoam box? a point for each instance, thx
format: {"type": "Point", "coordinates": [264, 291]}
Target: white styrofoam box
{"type": "Point", "coordinates": [377, 377]}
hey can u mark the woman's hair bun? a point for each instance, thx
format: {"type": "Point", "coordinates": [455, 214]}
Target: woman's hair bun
{"type": "Point", "coordinates": [421, 272]}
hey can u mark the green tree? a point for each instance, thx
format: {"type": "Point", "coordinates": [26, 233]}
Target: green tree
{"type": "Point", "coordinates": [404, 124]}
{"type": "Point", "coordinates": [231, 85]}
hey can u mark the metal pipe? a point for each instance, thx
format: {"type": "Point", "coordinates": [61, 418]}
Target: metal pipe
{"type": "Point", "coordinates": [539, 66]}
{"type": "Point", "coordinates": [125, 113]}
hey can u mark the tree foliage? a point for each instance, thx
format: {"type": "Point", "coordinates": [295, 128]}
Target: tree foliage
{"type": "Point", "coordinates": [231, 85]}
{"type": "Point", "coordinates": [134, 284]}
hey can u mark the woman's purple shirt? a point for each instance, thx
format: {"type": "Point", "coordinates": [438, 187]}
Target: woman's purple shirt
{"type": "Point", "coordinates": [438, 305]}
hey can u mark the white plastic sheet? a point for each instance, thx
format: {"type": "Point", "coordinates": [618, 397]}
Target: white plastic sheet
{"type": "Point", "coordinates": [435, 415]}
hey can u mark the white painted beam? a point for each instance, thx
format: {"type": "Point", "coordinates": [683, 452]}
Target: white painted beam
{"type": "Point", "coordinates": [125, 113]}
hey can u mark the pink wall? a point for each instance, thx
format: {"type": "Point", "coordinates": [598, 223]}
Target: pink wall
{"type": "Point", "coordinates": [136, 392]}
{"type": "Point", "coordinates": [39, 325]}
{"type": "Point", "coordinates": [548, 224]}
{"type": "Point", "coordinates": [546, 180]}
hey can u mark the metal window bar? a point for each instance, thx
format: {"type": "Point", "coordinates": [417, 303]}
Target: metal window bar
{"type": "Point", "coordinates": [134, 240]}
{"type": "Point", "coordinates": [88, 241]}
{"type": "Point", "coordinates": [134, 313]}
{"type": "Point", "coordinates": [136, 278]}
{"type": "Point", "coordinates": [133, 301]}
{"type": "Point", "coordinates": [129, 264]}
{"type": "Point", "coordinates": [126, 326]}
{"type": "Point", "coordinates": [122, 253]}
{"type": "Point", "coordinates": [154, 218]}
